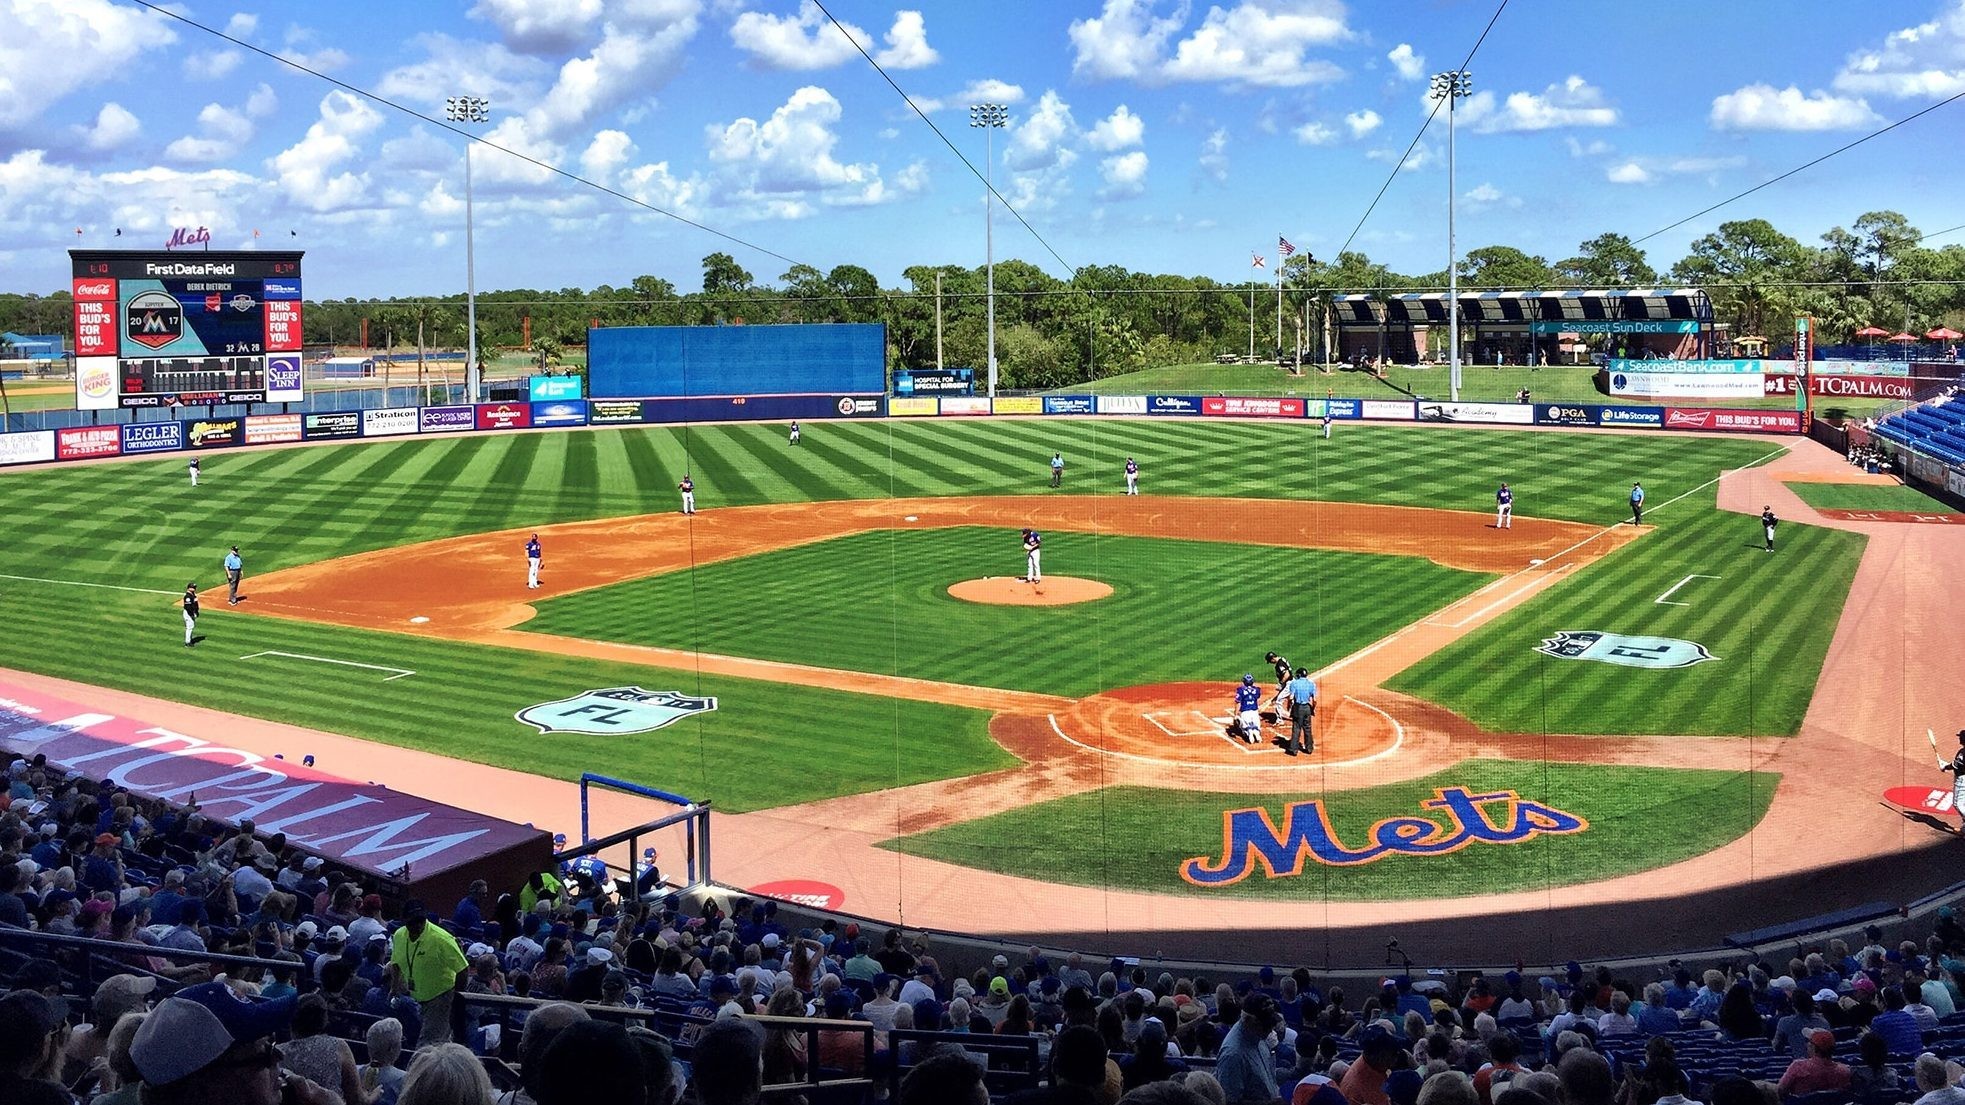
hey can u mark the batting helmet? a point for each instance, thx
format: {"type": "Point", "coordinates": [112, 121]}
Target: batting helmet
{"type": "Point", "coordinates": [1247, 678]}
{"type": "Point", "coordinates": [1269, 656]}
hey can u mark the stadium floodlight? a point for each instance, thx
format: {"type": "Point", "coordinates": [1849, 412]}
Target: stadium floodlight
{"type": "Point", "coordinates": [469, 109]}
{"type": "Point", "coordinates": [991, 118]}
{"type": "Point", "coordinates": [1453, 85]}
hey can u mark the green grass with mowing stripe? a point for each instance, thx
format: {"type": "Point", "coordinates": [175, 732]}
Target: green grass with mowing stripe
{"type": "Point", "coordinates": [766, 744]}
{"type": "Point", "coordinates": [878, 602]}
{"type": "Point", "coordinates": [1135, 838]}
{"type": "Point", "coordinates": [1869, 496]}
{"type": "Point", "coordinates": [1767, 618]}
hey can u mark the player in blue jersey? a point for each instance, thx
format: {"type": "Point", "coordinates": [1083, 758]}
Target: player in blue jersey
{"type": "Point", "coordinates": [1248, 704]}
{"type": "Point", "coordinates": [1033, 549]}
{"type": "Point", "coordinates": [1132, 476]}
{"type": "Point", "coordinates": [1504, 508]}
{"type": "Point", "coordinates": [532, 561]}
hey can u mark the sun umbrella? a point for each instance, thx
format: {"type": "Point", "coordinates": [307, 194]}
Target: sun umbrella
{"type": "Point", "coordinates": [1871, 332]}
{"type": "Point", "coordinates": [1903, 337]}
{"type": "Point", "coordinates": [1944, 333]}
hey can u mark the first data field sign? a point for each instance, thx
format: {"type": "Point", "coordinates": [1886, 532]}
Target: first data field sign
{"type": "Point", "coordinates": [1619, 648]}
{"type": "Point", "coordinates": [614, 710]}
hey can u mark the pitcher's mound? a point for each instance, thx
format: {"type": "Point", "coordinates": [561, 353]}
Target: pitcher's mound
{"type": "Point", "coordinates": [1011, 591]}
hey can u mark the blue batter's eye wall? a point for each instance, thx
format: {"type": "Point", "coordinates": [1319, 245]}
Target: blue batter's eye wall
{"type": "Point", "coordinates": [654, 362]}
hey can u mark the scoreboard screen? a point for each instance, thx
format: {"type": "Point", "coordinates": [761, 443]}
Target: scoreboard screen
{"type": "Point", "coordinates": [157, 329]}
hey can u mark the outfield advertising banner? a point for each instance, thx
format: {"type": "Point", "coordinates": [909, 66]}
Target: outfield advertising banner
{"type": "Point", "coordinates": [1696, 418]}
{"type": "Point", "coordinates": [859, 406]}
{"type": "Point", "coordinates": [1739, 366]}
{"type": "Point", "coordinates": [1173, 404]}
{"type": "Point", "coordinates": [1690, 385]}
{"type": "Point", "coordinates": [1860, 387]}
{"type": "Point", "coordinates": [214, 433]}
{"type": "Point", "coordinates": [442, 420]}
{"type": "Point", "coordinates": [394, 421]}
{"type": "Point", "coordinates": [284, 378]}
{"type": "Point", "coordinates": [615, 412]}
{"type": "Point", "coordinates": [572, 413]}
{"type": "Point", "coordinates": [1565, 414]}
{"type": "Point", "coordinates": [1122, 404]}
{"type": "Point", "coordinates": [964, 405]}
{"type": "Point", "coordinates": [911, 407]}
{"type": "Point", "coordinates": [1070, 404]}
{"type": "Point", "coordinates": [1386, 410]}
{"type": "Point", "coordinates": [28, 448]}
{"type": "Point", "coordinates": [83, 442]}
{"type": "Point", "coordinates": [272, 429]}
{"type": "Point", "coordinates": [152, 437]}
{"type": "Point", "coordinates": [1017, 404]}
{"type": "Point", "coordinates": [1614, 326]}
{"type": "Point", "coordinates": [1512, 414]}
{"type": "Point", "coordinates": [1631, 416]}
{"type": "Point", "coordinates": [504, 416]}
{"type": "Point", "coordinates": [95, 382]}
{"type": "Point", "coordinates": [332, 425]}
{"type": "Point", "coordinates": [555, 389]}
{"type": "Point", "coordinates": [1235, 406]}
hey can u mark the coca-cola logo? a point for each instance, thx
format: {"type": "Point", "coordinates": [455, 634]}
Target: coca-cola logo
{"type": "Point", "coordinates": [98, 289]}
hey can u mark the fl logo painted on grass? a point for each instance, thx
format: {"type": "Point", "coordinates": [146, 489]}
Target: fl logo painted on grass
{"type": "Point", "coordinates": [614, 711]}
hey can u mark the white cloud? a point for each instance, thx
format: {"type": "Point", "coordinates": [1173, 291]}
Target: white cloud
{"type": "Point", "coordinates": [299, 43]}
{"type": "Point", "coordinates": [1485, 196]}
{"type": "Point", "coordinates": [456, 67]}
{"type": "Point", "coordinates": [988, 90]}
{"type": "Point", "coordinates": [262, 101]}
{"type": "Point", "coordinates": [1117, 131]}
{"type": "Point", "coordinates": [1574, 102]}
{"type": "Point", "coordinates": [36, 194]}
{"type": "Point", "coordinates": [51, 50]}
{"type": "Point", "coordinates": [609, 150]}
{"type": "Point", "coordinates": [1410, 65]}
{"type": "Point", "coordinates": [780, 166]}
{"type": "Point", "coordinates": [306, 169]}
{"type": "Point", "coordinates": [1421, 156]}
{"type": "Point", "coordinates": [808, 40]}
{"type": "Point", "coordinates": [242, 25]}
{"type": "Point", "coordinates": [1596, 147]}
{"type": "Point", "coordinates": [1124, 175]}
{"type": "Point", "coordinates": [1630, 172]}
{"type": "Point", "coordinates": [1261, 44]}
{"type": "Point", "coordinates": [1315, 134]}
{"type": "Point", "coordinates": [1363, 122]}
{"type": "Point", "coordinates": [114, 126]}
{"type": "Point", "coordinates": [222, 132]}
{"type": "Point", "coordinates": [211, 65]}
{"type": "Point", "coordinates": [1704, 164]}
{"type": "Point", "coordinates": [1123, 40]}
{"type": "Point", "coordinates": [530, 27]}
{"type": "Point", "coordinates": [1214, 155]}
{"type": "Point", "coordinates": [1764, 107]}
{"type": "Point", "coordinates": [1926, 61]}
{"type": "Point", "coordinates": [1038, 140]}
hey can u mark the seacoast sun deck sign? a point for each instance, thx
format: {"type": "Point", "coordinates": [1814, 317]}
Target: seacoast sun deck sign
{"type": "Point", "coordinates": [1456, 818]}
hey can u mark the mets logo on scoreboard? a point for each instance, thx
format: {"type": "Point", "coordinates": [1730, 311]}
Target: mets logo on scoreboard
{"type": "Point", "coordinates": [614, 710]}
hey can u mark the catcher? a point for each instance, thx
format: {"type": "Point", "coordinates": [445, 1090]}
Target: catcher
{"type": "Point", "coordinates": [1248, 722]}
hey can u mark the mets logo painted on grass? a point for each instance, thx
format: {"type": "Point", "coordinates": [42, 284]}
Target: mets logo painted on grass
{"type": "Point", "coordinates": [1250, 839]}
{"type": "Point", "coordinates": [1619, 648]}
{"type": "Point", "coordinates": [614, 710]}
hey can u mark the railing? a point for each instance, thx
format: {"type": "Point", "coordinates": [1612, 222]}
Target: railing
{"type": "Point", "coordinates": [693, 816]}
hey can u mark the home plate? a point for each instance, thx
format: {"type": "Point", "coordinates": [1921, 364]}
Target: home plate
{"type": "Point", "coordinates": [418, 620]}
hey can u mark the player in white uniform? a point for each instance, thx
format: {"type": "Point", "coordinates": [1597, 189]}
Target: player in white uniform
{"type": "Point", "coordinates": [532, 559]}
{"type": "Point", "coordinates": [1504, 508]}
{"type": "Point", "coordinates": [1957, 769]}
{"type": "Point", "coordinates": [688, 489]}
{"type": "Point", "coordinates": [193, 466]}
{"type": "Point", "coordinates": [1132, 476]}
{"type": "Point", "coordinates": [1033, 548]}
{"type": "Point", "coordinates": [794, 431]}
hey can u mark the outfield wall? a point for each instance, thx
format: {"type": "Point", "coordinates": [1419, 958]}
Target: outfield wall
{"type": "Point", "coordinates": [650, 362]}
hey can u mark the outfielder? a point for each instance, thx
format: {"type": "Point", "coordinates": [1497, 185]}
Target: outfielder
{"type": "Point", "coordinates": [191, 612]}
{"type": "Point", "coordinates": [1504, 508]}
{"type": "Point", "coordinates": [688, 489]}
{"type": "Point", "coordinates": [1957, 769]}
{"type": "Point", "coordinates": [1132, 476]}
{"type": "Point", "coordinates": [1282, 665]}
{"type": "Point", "coordinates": [1033, 549]}
{"type": "Point", "coordinates": [1767, 524]}
{"type": "Point", "coordinates": [1248, 701]}
{"type": "Point", "coordinates": [1327, 420]}
{"type": "Point", "coordinates": [794, 431]}
{"type": "Point", "coordinates": [532, 561]}
{"type": "Point", "coordinates": [193, 467]}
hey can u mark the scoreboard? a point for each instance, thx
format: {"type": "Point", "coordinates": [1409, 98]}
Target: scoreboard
{"type": "Point", "coordinates": [155, 329]}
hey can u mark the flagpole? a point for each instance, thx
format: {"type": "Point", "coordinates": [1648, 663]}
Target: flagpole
{"type": "Point", "coordinates": [1279, 294]}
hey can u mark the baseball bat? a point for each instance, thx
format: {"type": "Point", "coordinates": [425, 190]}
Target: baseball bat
{"type": "Point", "coordinates": [1933, 738]}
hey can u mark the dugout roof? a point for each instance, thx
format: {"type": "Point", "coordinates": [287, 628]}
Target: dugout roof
{"type": "Point", "coordinates": [1568, 305]}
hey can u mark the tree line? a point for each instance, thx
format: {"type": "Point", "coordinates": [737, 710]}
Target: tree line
{"type": "Point", "coordinates": [1106, 319]}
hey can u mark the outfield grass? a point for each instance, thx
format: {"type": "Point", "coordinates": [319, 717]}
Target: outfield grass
{"type": "Point", "coordinates": [766, 744]}
{"type": "Point", "coordinates": [878, 602]}
{"type": "Point", "coordinates": [1868, 496]}
{"type": "Point", "coordinates": [1136, 838]}
{"type": "Point", "coordinates": [1478, 383]}
{"type": "Point", "coordinates": [1767, 618]}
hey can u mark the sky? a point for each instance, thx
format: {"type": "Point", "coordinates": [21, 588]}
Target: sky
{"type": "Point", "coordinates": [1167, 137]}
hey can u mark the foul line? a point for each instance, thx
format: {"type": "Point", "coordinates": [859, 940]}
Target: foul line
{"type": "Point", "coordinates": [1398, 741]}
{"type": "Point", "coordinates": [99, 586]}
{"type": "Point", "coordinates": [400, 672]}
{"type": "Point", "coordinates": [1660, 600]}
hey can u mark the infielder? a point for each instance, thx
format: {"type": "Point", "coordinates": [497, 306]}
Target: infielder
{"type": "Point", "coordinates": [1767, 524]}
{"type": "Point", "coordinates": [1504, 508]}
{"type": "Point", "coordinates": [532, 561]}
{"type": "Point", "coordinates": [193, 467]}
{"type": "Point", "coordinates": [1132, 476]}
{"type": "Point", "coordinates": [1281, 664]}
{"type": "Point", "coordinates": [234, 568]}
{"type": "Point", "coordinates": [1637, 505]}
{"type": "Point", "coordinates": [1057, 469]}
{"type": "Point", "coordinates": [1957, 769]}
{"type": "Point", "coordinates": [1248, 701]}
{"type": "Point", "coordinates": [1033, 550]}
{"type": "Point", "coordinates": [1327, 420]}
{"type": "Point", "coordinates": [190, 604]}
{"type": "Point", "coordinates": [794, 431]}
{"type": "Point", "coordinates": [688, 489]}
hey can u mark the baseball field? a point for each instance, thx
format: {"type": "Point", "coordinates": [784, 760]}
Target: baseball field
{"type": "Point", "coordinates": [1568, 703]}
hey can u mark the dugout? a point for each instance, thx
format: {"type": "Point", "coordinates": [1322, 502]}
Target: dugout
{"type": "Point", "coordinates": [1524, 327]}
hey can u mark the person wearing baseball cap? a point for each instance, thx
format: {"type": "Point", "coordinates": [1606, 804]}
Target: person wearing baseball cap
{"type": "Point", "coordinates": [207, 1043]}
{"type": "Point", "coordinates": [33, 1033]}
{"type": "Point", "coordinates": [1817, 1071]}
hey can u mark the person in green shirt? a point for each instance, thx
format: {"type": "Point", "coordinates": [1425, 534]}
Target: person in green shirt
{"type": "Point", "coordinates": [542, 886]}
{"type": "Point", "coordinates": [430, 966]}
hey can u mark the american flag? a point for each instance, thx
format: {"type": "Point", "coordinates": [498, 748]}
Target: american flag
{"type": "Point", "coordinates": [1283, 246]}
{"type": "Point", "coordinates": [1256, 260]}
